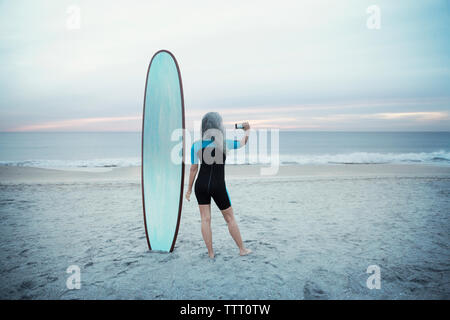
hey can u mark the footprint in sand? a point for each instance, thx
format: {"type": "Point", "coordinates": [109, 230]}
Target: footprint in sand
{"type": "Point", "coordinates": [311, 291]}
{"type": "Point", "coordinates": [27, 284]}
{"type": "Point", "coordinates": [22, 253]}
{"type": "Point", "coordinates": [130, 262]}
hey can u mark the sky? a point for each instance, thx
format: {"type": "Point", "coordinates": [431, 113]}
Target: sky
{"type": "Point", "coordinates": [293, 65]}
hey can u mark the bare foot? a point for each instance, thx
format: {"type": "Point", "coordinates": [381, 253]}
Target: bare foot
{"type": "Point", "coordinates": [211, 255]}
{"type": "Point", "coordinates": [245, 252]}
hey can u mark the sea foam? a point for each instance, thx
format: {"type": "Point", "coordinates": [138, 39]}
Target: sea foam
{"type": "Point", "coordinates": [441, 157]}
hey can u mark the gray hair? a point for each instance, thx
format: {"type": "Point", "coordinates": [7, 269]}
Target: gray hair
{"type": "Point", "coordinates": [212, 129]}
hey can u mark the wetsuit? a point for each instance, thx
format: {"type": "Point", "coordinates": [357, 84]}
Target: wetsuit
{"type": "Point", "coordinates": [211, 178]}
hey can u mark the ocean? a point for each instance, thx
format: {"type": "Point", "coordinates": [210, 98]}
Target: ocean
{"type": "Point", "coordinates": [122, 149]}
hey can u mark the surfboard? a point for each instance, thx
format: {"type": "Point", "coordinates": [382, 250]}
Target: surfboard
{"type": "Point", "coordinates": [162, 169]}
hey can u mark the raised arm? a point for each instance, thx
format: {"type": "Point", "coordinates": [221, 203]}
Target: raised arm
{"type": "Point", "coordinates": [244, 140]}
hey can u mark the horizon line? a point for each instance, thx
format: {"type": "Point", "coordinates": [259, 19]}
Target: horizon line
{"type": "Point", "coordinates": [284, 130]}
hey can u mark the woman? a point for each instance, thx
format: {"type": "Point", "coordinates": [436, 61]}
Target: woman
{"type": "Point", "coordinates": [211, 150]}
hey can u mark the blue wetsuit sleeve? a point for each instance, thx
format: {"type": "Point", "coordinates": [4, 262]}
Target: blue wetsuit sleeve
{"type": "Point", "coordinates": [194, 155]}
{"type": "Point", "coordinates": [196, 147]}
{"type": "Point", "coordinates": [233, 144]}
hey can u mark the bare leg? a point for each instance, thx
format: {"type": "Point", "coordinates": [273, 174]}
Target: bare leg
{"type": "Point", "coordinates": [205, 214]}
{"type": "Point", "coordinates": [233, 228]}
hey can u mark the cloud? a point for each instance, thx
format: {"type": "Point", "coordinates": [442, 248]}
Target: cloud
{"type": "Point", "coordinates": [258, 118]}
{"type": "Point", "coordinates": [419, 116]}
{"type": "Point", "coordinates": [313, 61]}
{"type": "Point", "coordinates": [414, 116]}
{"type": "Point", "coordinates": [98, 124]}
{"type": "Point", "coordinates": [393, 103]}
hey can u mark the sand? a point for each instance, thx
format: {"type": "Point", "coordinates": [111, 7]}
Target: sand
{"type": "Point", "coordinates": [314, 230]}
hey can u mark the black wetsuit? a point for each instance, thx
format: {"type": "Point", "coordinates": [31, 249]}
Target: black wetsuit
{"type": "Point", "coordinates": [211, 178]}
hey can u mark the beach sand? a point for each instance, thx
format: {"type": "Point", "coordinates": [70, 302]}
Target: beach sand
{"type": "Point", "coordinates": [314, 230]}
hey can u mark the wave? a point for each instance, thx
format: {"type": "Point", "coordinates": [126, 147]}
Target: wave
{"type": "Point", "coordinates": [92, 163]}
{"type": "Point", "coordinates": [437, 157]}
{"type": "Point", "coordinates": [441, 157]}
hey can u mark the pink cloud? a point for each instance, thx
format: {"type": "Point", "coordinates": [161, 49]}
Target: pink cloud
{"type": "Point", "coordinates": [128, 123]}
